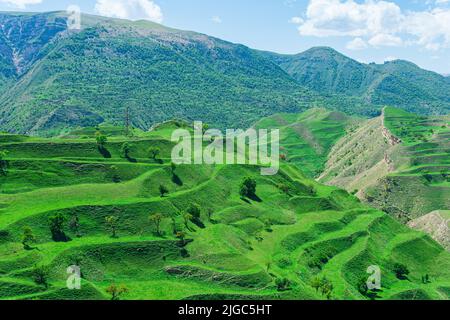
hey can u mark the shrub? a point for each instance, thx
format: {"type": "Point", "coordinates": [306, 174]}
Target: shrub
{"type": "Point", "coordinates": [401, 271]}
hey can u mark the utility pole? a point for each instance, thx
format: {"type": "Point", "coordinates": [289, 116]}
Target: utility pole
{"type": "Point", "coordinates": [127, 121]}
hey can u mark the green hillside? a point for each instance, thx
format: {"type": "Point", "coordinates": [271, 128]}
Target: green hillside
{"type": "Point", "coordinates": [270, 245]}
{"type": "Point", "coordinates": [307, 138]}
{"type": "Point", "coordinates": [398, 162]}
{"type": "Point", "coordinates": [53, 79]}
{"type": "Point", "coordinates": [395, 83]}
{"type": "Point", "coordinates": [87, 77]}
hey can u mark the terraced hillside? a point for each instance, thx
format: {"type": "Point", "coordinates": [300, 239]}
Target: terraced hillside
{"type": "Point", "coordinates": [102, 209]}
{"type": "Point", "coordinates": [307, 138]}
{"type": "Point", "coordinates": [399, 162]}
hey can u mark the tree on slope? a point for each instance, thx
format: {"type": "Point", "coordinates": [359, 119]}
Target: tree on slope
{"type": "Point", "coordinates": [248, 188]}
{"type": "Point", "coordinates": [56, 223]}
{"type": "Point", "coordinates": [163, 190]}
{"type": "Point", "coordinates": [154, 152]}
{"type": "Point", "coordinates": [40, 275]}
{"type": "Point", "coordinates": [101, 140]}
{"type": "Point", "coordinates": [116, 291]}
{"type": "Point", "coordinates": [3, 162]}
{"type": "Point", "coordinates": [156, 220]}
{"type": "Point", "coordinates": [112, 222]}
{"type": "Point", "coordinates": [28, 238]}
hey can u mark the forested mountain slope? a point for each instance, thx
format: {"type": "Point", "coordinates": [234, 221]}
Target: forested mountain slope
{"type": "Point", "coordinates": [88, 76]}
{"type": "Point", "coordinates": [53, 79]}
{"type": "Point", "coordinates": [395, 83]}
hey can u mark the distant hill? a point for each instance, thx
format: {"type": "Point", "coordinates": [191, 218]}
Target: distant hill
{"type": "Point", "coordinates": [53, 79]}
{"type": "Point", "coordinates": [396, 83]}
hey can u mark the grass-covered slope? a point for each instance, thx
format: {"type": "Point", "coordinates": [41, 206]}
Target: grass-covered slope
{"type": "Point", "coordinates": [399, 163]}
{"type": "Point", "coordinates": [307, 138]}
{"type": "Point", "coordinates": [53, 79]}
{"type": "Point", "coordinates": [395, 83]}
{"type": "Point", "coordinates": [271, 245]}
{"type": "Point", "coordinates": [89, 76]}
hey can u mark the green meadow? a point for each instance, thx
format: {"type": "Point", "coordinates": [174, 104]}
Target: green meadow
{"type": "Point", "coordinates": [201, 238]}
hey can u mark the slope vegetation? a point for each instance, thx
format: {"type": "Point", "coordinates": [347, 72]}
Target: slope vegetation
{"type": "Point", "coordinates": [85, 77]}
{"type": "Point", "coordinates": [307, 138]}
{"type": "Point", "coordinates": [270, 245]}
{"type": "Point", "coordinates": [398, 162]}
{"type": "Point", "coordinates": [395, 83]}
{"type": "Point", "coordinates": [53, 79]}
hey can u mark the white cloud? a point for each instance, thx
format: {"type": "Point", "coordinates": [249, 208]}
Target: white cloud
{"type": "Point", "coordinates": [296, 20]}
{"type": "Point", "coordinates": [431, 28]}
{"type": "Point", "coordinates": [357, 44]}
{"type": "Point", "coordinates": [216, 19]}
{"type": "Point", "coordinates": [130, 9]}
{"type": "Point", "coordinates": [385, 40]}
{"type": "Point", "coordinates": [378, 22]}
{"type": "Point", "coordinates": [349, 18]}
{"type": "Point", "coordinates": [390, 58]}
{"type": "Point", "coordinates": [21, 4]}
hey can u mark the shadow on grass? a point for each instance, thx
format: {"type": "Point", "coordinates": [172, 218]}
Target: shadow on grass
{"type": "Point", "coordinates": [104, 152]}
{"type": "Point", "coordinates": [130, 159]}
{"type": "Point", "coordinates": [177, 180]}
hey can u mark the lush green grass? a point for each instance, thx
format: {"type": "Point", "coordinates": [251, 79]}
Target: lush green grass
{"type": "Point", "coordinates": [244, 247]}
{"type": "Point", "coordinates": [307, 138]}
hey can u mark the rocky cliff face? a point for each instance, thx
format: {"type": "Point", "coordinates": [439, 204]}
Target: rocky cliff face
{"type": "Point", "coordinates": [22, 39]}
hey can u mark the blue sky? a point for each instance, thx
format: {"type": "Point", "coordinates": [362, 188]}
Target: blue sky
{"type": "Point", "coordinates": [366, 30]}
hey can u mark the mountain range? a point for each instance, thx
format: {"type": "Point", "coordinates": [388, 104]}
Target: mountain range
{"type": "Point", "coordinates": [53, 79]}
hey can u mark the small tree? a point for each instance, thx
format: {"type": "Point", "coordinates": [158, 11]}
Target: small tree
{"type": "Point", "coordinates": [101, 140]}
{"type": "Point", "coordinates": [163, 190]}
{"type": "Point", "coordinates": [3, 162]}
{"type": "Point", "coordinates": [40, 275]}
{"type": "Point", "coordinates": [284, 188]}
{"type": "Point", "coordinates": [248, 188]}
{"type": "Point", "coordinates": [316, 283]}
{"type": "Point", "coordinates": [194, 210]}
{"type": "Point", "coordinates": [173, 167]}
{"type": "Point", "coordinates": [125, 150]}
{"type": "Point", "coordinates": [362, 286]}
{"type": "Point", "coordinates": [187, 217]}
{"type": "Point", "coordinates": [210, 213]}
{"type": "Point", "coordinates": [326, 287]}
{"type": "Point", "coordinates": [117, 291]}
{"type": "Point", "coordinates": [156, 220]}
{"type": "Point", "coordinates": [401, 271]}
{"type": "Point", "coordinates": [112, 222]}
{"type": "Point", "coordinates": [28, 238]}
{"type": "Point", "coordinates": [153, 153]}
{"type": "Point", "coordinates": [56, 223]}
{"type": "Point", "coordinates": [115, 174]}
{"type": "Point", "coordinates": [283, 284]}
{"type": "Point", "coordinates": [74, 225]}
{"type": "Point", "coordinates": [182, 236]}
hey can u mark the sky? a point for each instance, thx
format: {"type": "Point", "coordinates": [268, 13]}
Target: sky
{"type": "Point", "coordinates": [366, 30]}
